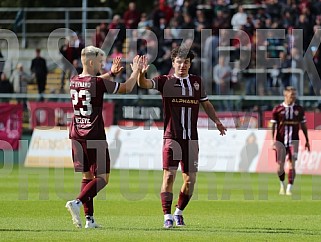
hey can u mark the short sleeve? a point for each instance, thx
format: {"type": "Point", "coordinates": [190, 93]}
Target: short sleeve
{"type": "Point", "coordinates": [159, 82]}
{"type": "Point", "coordinates": [274, 115]}
{"type": "Point", "coordinates": [108, 86]}
{"type": "Point", "coordinates": [302, 116]}
{"type": "Point", "coordinates": [203, 94]}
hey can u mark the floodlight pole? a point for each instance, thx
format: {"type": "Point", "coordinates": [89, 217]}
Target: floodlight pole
{"type": "Point", "coordinates": [84, 16]}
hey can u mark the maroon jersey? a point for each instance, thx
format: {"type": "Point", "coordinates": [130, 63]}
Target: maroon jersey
{"type": "Point", "coordinates": [87, 94]}
{"type": "Point", "coordinates": [288, 120]}
{"type": "Point", "coordinates": [181, 99]}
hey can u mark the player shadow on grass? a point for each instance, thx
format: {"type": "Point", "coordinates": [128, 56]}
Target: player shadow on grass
{"type": "Point", "coordinates": [227, 230]}
{"type": "Point", "coordinates": [260, 230]}
{"type": "Point", "coordinates": [246, 230]}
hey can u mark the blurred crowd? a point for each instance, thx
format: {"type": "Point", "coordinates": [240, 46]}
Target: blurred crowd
{"type": "Point", "coordinates": [235, 43]}
{"type": "Point", "coordinates": [169, 21]}
{"type": "Point", "coordinates": [19, 78]}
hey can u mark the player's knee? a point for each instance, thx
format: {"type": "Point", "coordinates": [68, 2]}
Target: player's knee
{"type": "Point", "coordinates": [105, 177]}
{"type": "Point", "coordinates": [281, 171]}
{"type": "Point", "coordinates": [168, 179]}
{"type": "Point", "coordinates": [291, 165]}
{"type": "Point", "coordinates": [190, 181]}
{"type": "Point", "coordinates": [88, 176]}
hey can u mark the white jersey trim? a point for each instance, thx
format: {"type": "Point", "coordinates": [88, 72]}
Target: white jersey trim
{"type": "Point", "coordinates": [116, 88]}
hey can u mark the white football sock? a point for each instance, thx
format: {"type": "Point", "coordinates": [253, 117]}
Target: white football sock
{"type": "Point", "coordinates": [282, 184]}
{"type": "Point", "coordinates": [289, 187]}
{"type": "Point", "coordinates": [178, 212]}
{"type": "Point", "coordinates": [168, 216]}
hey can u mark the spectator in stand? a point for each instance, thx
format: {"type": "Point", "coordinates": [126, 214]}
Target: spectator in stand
{"type": "Point", "coordinates": [200, 23]}
{"type": "Point", "coordinates": [285, 64]}
{"type": "Point", "coordinates": [188, 23]}
{"type": "Point", "coordinates": [239, 19]}
{"type": "Point", "coordinates": [77, 68]}
{"type": "Point", "coordinates": [99, 37]}
{"type": "Point", "coordinates": [131, 16]}
{"type": "Point", "coordinates": [261, 15]}
{"type": "Point", "coordinates": [190, 8]}
{"type": "Point", "coordinates": [19, 79]}
{"type": "Point", "coordinates": [220, 6]}
{"type": "Point", "coordinates": [144, 24]}
{"type": "Point", "coordinates": [274, 81]}
{"type": "Point", "coordinates": [290, 40]}
{"type": "Point", "coordinates": [118, 31]}
{"type": "Point", "coordinates": [249, 76]}
{"type": "Point", "coordinates": [222, 73]}
{"type": "Point", "coordinates": [315, 74]}
{"type": "Point", "coordinates": [39, 71]}
{"type": "Point", "coordinates": [272, 45]}
{"type": "Point", "coordinates": [273, 8]}
{"type": "Point", "coordinates": [178, 5]}
{"type": "Point", "coordinates": [307, 28]}
{"type": "Point", "coordinates": [70, 51]}
{"type": "Point", "coordinates": [287, 20]}
{"type": "Point", "coordinates": [296, 63]}
{"type": "Point", "coordinates": [159, 31]}
{"type": "Point", "coordinates": [316, 7]}
{"type": "Point", "coordinates": [210, 53]}
{"type": "Point", "coordinates": [175, 26]}
{"type": "Point", "coordinates": [2, 62]}
{"type": "Point", "coordinates": [5, 85]}
{"type": "Point", "coordinates": [167, 10]}
{"type": "Point", "coordinates": [222, 21]}
{"type": "Point", "coordinates": [161, 10]}
{"type": "Point", "coordinates": [249, 27]}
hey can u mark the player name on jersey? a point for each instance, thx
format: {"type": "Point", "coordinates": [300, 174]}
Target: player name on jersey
{"type": "Point", "coordinates": [82, 122]}
{"type": "Point", "coordinates": [80, 84]}
{"type": "Point", "coordinates": [183, 100]}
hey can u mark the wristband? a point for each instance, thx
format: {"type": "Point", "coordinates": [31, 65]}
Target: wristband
{"type": "Point", "coordinates": [111, 74]}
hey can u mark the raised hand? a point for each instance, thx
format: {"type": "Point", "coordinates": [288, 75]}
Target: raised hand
{"type": "Point", "coordinates": [145, 65]}
{"type": "Point", "coordinates": [116, 66]}
{"type": "Point", "coordinates": [137, 63]}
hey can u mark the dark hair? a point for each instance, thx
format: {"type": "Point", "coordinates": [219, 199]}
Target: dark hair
{"type": "Point", "coordinates": [182, 52]}
{"type": "Point", "coordinates": [289, 88]}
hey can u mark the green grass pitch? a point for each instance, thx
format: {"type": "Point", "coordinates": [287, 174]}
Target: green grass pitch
{"type": "Point", "coordinates": [225, 207]}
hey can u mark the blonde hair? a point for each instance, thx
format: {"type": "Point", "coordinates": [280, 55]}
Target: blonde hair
{"type": "Point", "coordinates": [90, 51]}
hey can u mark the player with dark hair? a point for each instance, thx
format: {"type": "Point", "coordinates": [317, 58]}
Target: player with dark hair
{"type": "Point", "coordinates": [89, 146]}
{"type": "Point", "coordinates": [287, 119]}
{"type": "Point", "coordinates": [181, 93]}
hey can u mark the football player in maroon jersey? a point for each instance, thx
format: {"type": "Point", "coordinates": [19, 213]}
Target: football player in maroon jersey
{"type": "Point", "coordinates": [182, 93]}
{"type": "Point", "coordinates": [89, 147]}
{"type": "Point", "coordinates": [287, 120]}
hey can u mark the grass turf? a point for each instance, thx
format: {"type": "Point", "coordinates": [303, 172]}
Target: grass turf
{"type": "Point", "coordinates": [225, 207]}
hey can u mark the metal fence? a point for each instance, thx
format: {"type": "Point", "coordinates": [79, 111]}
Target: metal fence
{"type": "Point", "coordinates": [25, 17]}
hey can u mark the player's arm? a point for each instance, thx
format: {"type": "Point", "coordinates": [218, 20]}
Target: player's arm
{"type": "Point", "coordinates": [210, 111]}
{"type": "Point", "coordinates": [115, 69]}
{"type": "Point", "coordinates": [305, 132]}
{"type": "Point", "coordinates": [274, 121]}
{"type": "Point", "coordinates": [136, 67]}
{"type": "Point", "coordinates": [273, 128]}
{"type": "Point", "coordinates": [143, 82]}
